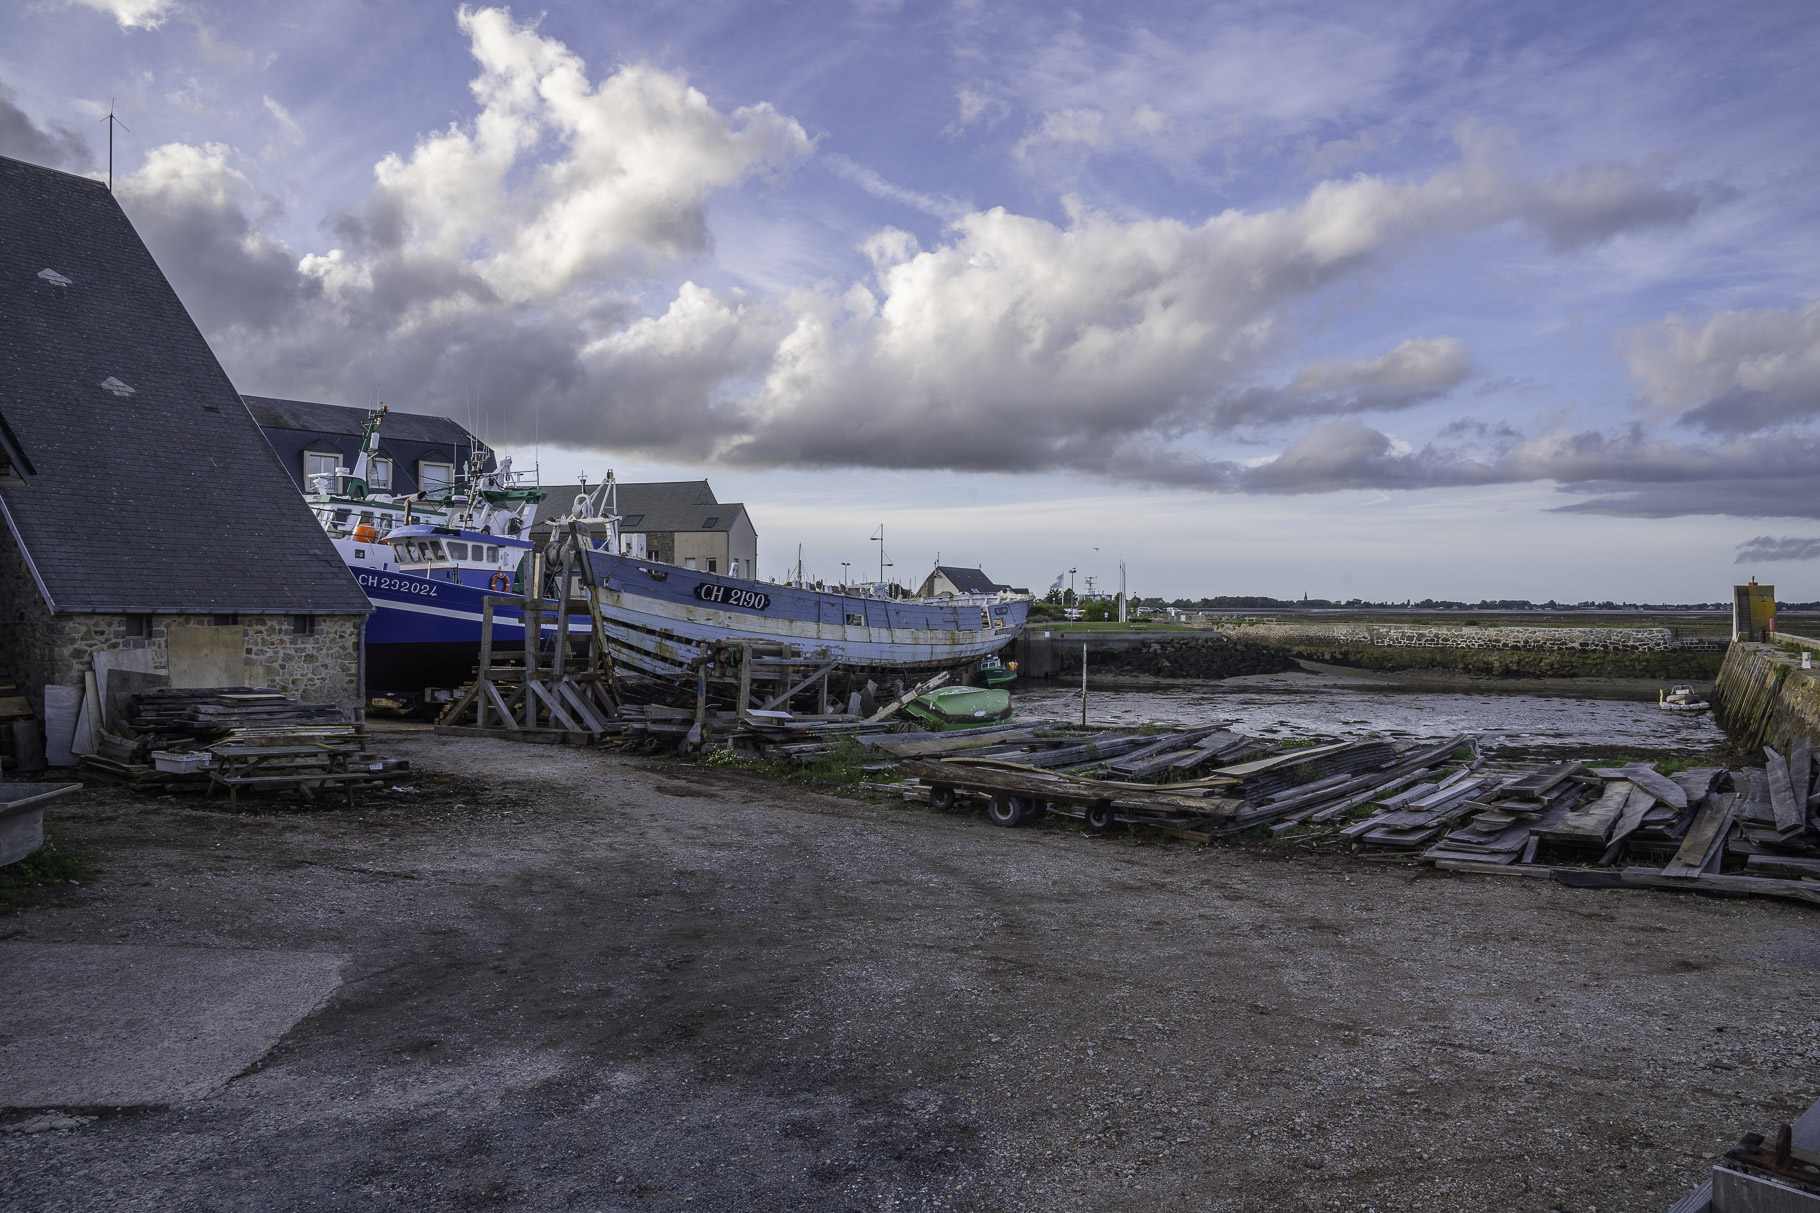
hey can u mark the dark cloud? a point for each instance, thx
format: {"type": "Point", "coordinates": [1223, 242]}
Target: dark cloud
{"type": "Point", "coordinates": [1769, 548]}
{"type": "Point", "coordinates": [1469, 428]}
{"type": "Point", "coordinates": [1595, 202]}
{"type": "Point", "coordinates": [58, 147]}
{"type": "Point", "coordinates": [1415, 372]}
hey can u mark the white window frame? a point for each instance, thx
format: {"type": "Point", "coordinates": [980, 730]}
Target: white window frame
{"type": "Point", "coordinates": [424, 483]}
{"type": "Point", "coordinates": [310, 471]}
{"type": "Point", "coordinates": [379, 473]}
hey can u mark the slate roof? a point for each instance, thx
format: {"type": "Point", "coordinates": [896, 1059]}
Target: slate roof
{"type": "Point", "coordinates": [660, 506]}
{"type": "Point", "coordinates": [296, 426]}
{"type": "Point", "coordinates": [969, 581]}
{"type": "Point", "coordinates": [347, 420]}
{"type": "Point", "coordinates": [164, 497]}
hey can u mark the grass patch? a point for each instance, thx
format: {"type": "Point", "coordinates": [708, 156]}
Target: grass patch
{"type": "Point", "coordinates": [844, 765]}
{"type": "Point", "coordinates": [40, 877]}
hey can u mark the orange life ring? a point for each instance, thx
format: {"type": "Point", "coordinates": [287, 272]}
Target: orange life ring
{"type": "Point", "coordinates": [500, 582]}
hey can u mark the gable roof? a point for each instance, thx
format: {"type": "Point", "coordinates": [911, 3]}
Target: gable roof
{"type": "Point", "coordinates": [310, 417]}
{"type": "Point", "coordinates": [157, 491]}
{"type": "Point", "coordinates": [660, 506]}
{"type": "Point", "coordinates": [968, 581]}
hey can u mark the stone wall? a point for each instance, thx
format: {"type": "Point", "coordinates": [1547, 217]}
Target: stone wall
{"type": "Point", "coordinates": [1516, 639]}
{"type": "Point", "coordinates": [36, 647]}
{"type": "Point", "coordinates": [1764, 697]}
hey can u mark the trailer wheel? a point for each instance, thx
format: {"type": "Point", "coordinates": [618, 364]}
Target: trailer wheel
{"type": "Point", "coordinates": [941, 799]}
{"type": "Point", "coordinates": [1100, 817]}
{"type": "Point", "coordinates": [1007, 811]}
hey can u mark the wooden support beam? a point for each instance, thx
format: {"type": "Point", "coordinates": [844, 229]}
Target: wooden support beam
{"type": "Point", "coordinates": [786, 696]}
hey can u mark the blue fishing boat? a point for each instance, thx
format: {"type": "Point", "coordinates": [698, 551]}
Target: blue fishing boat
{"type": "Point", "coordinates": [428, 562]}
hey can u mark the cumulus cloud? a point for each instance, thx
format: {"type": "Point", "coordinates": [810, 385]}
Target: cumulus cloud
{"type": "Point", "coordinates": [506, 260]}
{"type": "Point", "coordinates": [1737, 372]}
{"type": "Point", "coordinates": [1769, 548]}
{"type": "Point", "coordinates": [58, 146]}
{"type": "Point", "coordinates": [200, 214]}
{"type": "Point", "coordinates": [1348, 454]}
{"type": "Point", "coordinates": [133, 14]}
{"type": "Point", "coordinates": [483, 261]}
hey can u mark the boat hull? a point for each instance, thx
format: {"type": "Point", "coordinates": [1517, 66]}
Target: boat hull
{"type": "Point", "coordinates": [426, 632]}
{"type": "Point", "coordinates": [660, 619]}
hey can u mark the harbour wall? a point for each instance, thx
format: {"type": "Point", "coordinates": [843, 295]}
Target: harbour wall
{"type": "Point", "coordinates": [1764, 697]}
{"type": "Point", "coordinates": [1500, 652]}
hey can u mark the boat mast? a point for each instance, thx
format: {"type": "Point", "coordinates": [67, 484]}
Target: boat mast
{"type": "Point", "coordinates": [369, 446]}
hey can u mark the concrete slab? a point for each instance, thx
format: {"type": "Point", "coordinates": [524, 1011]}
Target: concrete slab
{"type": "Point", "coordinates": [85, 1025]}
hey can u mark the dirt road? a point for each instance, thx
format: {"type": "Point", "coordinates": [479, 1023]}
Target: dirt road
{"type": "Point", "coordinates": [587, 981]}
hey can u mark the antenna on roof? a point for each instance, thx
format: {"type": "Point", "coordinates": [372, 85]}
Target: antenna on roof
{"type": "Point", "coordinates": [112, 122]}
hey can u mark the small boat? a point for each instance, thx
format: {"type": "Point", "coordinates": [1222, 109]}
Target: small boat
{"type": "Point", "coordinates": [948, 708]}
{"type": "Point", "coordinates": [1681, 699]}
{"type": "Point", "coordinates": [997, 673]}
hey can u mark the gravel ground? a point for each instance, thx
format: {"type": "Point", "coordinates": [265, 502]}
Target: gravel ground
{"type": "Point", "coordinates": [583, 980]}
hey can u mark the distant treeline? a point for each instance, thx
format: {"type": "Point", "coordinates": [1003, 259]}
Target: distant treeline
{"type": "Point", "coordinates": [1247, 603]}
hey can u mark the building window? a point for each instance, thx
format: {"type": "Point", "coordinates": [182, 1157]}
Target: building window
{"type": "Point", "coordinates": [226, 621]}
{"type": "Point", "coordinates": [435, 476]}
{"type": "Point", "coordinates": [711, 563]}
{"type": "Point", "coordinates": [688, 562]}
{"type": "Point", "coordinates": [138, 627]}
{"type": "Point", "coordinates": [632, 520]}
{"type": "Point", "coordinates": [316, 463]}
{"type": "Point", "coordinates": [379, 473]}
{"type": "Point", "coordinates": [708, 523]}
{"type": "Point", "coordinates": [303, 625]}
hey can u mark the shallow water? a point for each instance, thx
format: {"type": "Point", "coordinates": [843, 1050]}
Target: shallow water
{"type": "Point", "coordinates": [1499, 718]}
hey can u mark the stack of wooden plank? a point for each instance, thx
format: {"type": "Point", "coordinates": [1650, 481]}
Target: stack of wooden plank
{"type": "Point", "coordinates": [195, 712]}
{"type": "Point", "coordinates": [1412, 820]}
{"type": "Point", "coordinates": [1502, 825]}
{"type": "Point", "coordinates": [1181, 754]}
{"type": "Point", "coordinates": [1298, 771]}
{"type": "Point", "coordinates": [185, 719]}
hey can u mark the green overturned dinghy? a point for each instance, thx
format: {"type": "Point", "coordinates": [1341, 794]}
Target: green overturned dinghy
{"type": "Point", "coordinates": [960, 707]}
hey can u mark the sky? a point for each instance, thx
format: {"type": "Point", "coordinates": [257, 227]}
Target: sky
{"type": "Point", "coordinates": [1381, 300]}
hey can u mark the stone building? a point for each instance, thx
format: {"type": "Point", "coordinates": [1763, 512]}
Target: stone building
{"type": "Point", "coordinates": [681, 521]}
{"type": "Point", "coordinates": [947, 580]}
{"type": "Point", "coordinates": [148, 526]}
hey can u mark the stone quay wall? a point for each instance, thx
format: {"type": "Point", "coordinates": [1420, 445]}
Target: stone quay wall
{"type": "Point", "coordinates": [1764, 697]}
